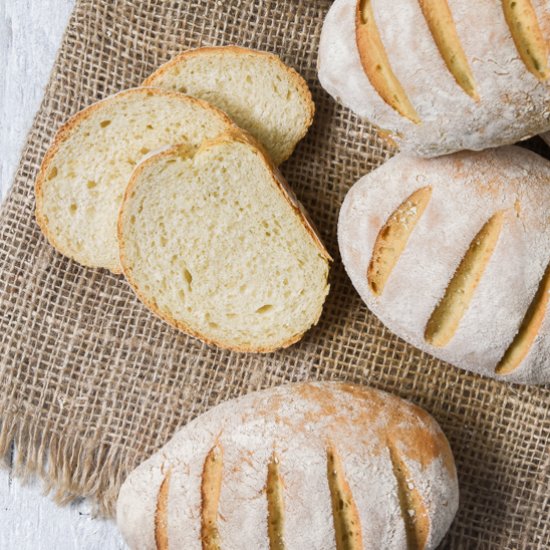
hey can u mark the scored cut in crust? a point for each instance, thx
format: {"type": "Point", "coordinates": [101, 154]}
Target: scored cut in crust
{"type": "Point", "coordinates": [466, 274]}
{"type": "Point", "coordinates": [440, 77]}
{"type": "Point", "coordinates": [353, 464]}
{"type": "Point", "coordinates": [256, 89]}
{"type": "Point", "coordinates": [84, 173]}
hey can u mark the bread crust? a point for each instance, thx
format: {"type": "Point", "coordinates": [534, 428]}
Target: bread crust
{"type": "Point", "coordinates": [65, 133]}
{"type": "Point", "coordinates": [513, 105]}
{"type": "Point", "coordinates": [369, 431]}
{"type": "Point", "coordinates": [295, 77]}
{"type": "Point", "coordinates": [232, 135]}
{"type": "Point", "coordinates": [468, 191]}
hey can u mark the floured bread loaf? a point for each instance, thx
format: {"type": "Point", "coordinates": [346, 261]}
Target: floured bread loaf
{"type": "Point", "coordinates": [452, 255]}
{"type": "Point", "coordinates": [83, 176]}
{"type": "Point", "coordinates": [215, 244]}
{"type": "Point", "coordinates": [438, 76]}
{"type": "Point", "coordinates": [256, 89]}
{"type": "Point", "coordinates": [316, 466]}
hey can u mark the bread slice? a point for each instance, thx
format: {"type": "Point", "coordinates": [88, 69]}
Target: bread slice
{"type": "Point", "coordinates": [212, 241]}
{"type": "Point", "coordinates": [319, 466]}
{"type": "Point", "coordinates": [256, 89]}
{"type": "Point", "coordinates": [83, 176]}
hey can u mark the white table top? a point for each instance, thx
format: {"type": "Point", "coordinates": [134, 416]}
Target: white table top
{"type": "Point", "coordinates": [30, 33]}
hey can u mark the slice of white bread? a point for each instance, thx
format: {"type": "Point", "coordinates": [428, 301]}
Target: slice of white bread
{"type": "Point", "coordinates": [256, 89]}
{"type": "Point", "coordinates": [83, 176]}
{"type": "Point", "coordinates": [453, 254]}
{"type": "Point", "coordinates": [213, 242]}
{"type": "Point", "coordinates": [320, 466]}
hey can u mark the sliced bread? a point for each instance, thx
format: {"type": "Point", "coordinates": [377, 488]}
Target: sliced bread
{"type": "Point", "coordinates": [214, 243]}
{"type": "Point", "coordinates": [256, 89]}
{"type": "Point", "coordinates": [83, 176]}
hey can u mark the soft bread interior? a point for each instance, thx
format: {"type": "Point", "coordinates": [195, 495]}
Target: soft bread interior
{"type": "Point", "coordinates": [261, 94]}
{"type": "Point", "coordinates": [213, 245]}
{"type": "Point", "coordinates": [83, 181]}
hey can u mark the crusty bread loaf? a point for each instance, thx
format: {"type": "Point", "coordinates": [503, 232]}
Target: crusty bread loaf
{"type": "Point", "coordinates": [256, 89]}
{"type": "Point", "coordinates": [83, 176]}
{"type": "Point", "coordinates": [452, 255]}
{"type": "Point", "coordinates": [316, 466]}
{"type": "Point", "coordinates": [438, 76]}
{"type": "Point", "coordinates": [212, 241]}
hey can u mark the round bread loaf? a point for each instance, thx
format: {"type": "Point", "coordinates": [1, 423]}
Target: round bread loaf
{"type": "Point", "coordinates": [452, 255]}
{"type": "Point", "coordinates": [441, 76]}
{"type": "Point", "coordinates": [317, 466]}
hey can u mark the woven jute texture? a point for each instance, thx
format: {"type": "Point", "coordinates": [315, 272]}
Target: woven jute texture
{"type": "Point", "coordinates": [91, 383]}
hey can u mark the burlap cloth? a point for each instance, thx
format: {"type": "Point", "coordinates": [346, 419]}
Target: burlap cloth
{"type": "Point", "coordinates": [91, 383]}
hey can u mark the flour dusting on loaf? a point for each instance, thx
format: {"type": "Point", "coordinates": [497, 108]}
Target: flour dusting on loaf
{"type": "Point", "coordinates": [472, 81]}
{"type": "Point", "coordinates": [470, 286]}
{"type": "Point", "coordinates": [326, 437]}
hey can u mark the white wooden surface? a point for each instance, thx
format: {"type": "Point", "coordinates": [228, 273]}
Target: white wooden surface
{"type": "Point", "coordinates": [30, 33]}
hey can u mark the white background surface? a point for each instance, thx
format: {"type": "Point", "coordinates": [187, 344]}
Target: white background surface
{"type": "Point", "coordinates": [30, 34]}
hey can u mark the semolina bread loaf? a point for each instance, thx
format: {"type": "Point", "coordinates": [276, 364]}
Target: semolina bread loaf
{"type": "Point", "coordinates": [256, 89]}
{"type": "Point", "coordinates": [441, 76]}
{"type": "Point", "coordinates": [311, 465]}
{"type": "Point", "coordinates": [85, 172]}
{"type": "Point", "coordinates": [452, 255]}
{"type": "Point", "coordinates": [214, 243]}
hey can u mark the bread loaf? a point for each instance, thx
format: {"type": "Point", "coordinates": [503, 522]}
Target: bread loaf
{"type": "Point", "coordinates": [452, 255]}
{"type": "Point", "coordinates": [256, 89]}
{"type": "Point", "coordinates": [84, 173]}
{"type": "Point", "coordinates": [215, 244]}
{"type": "Point", "coordinates": [316, 466]}
{"type": "Point", "coordinates": [437, 76]}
